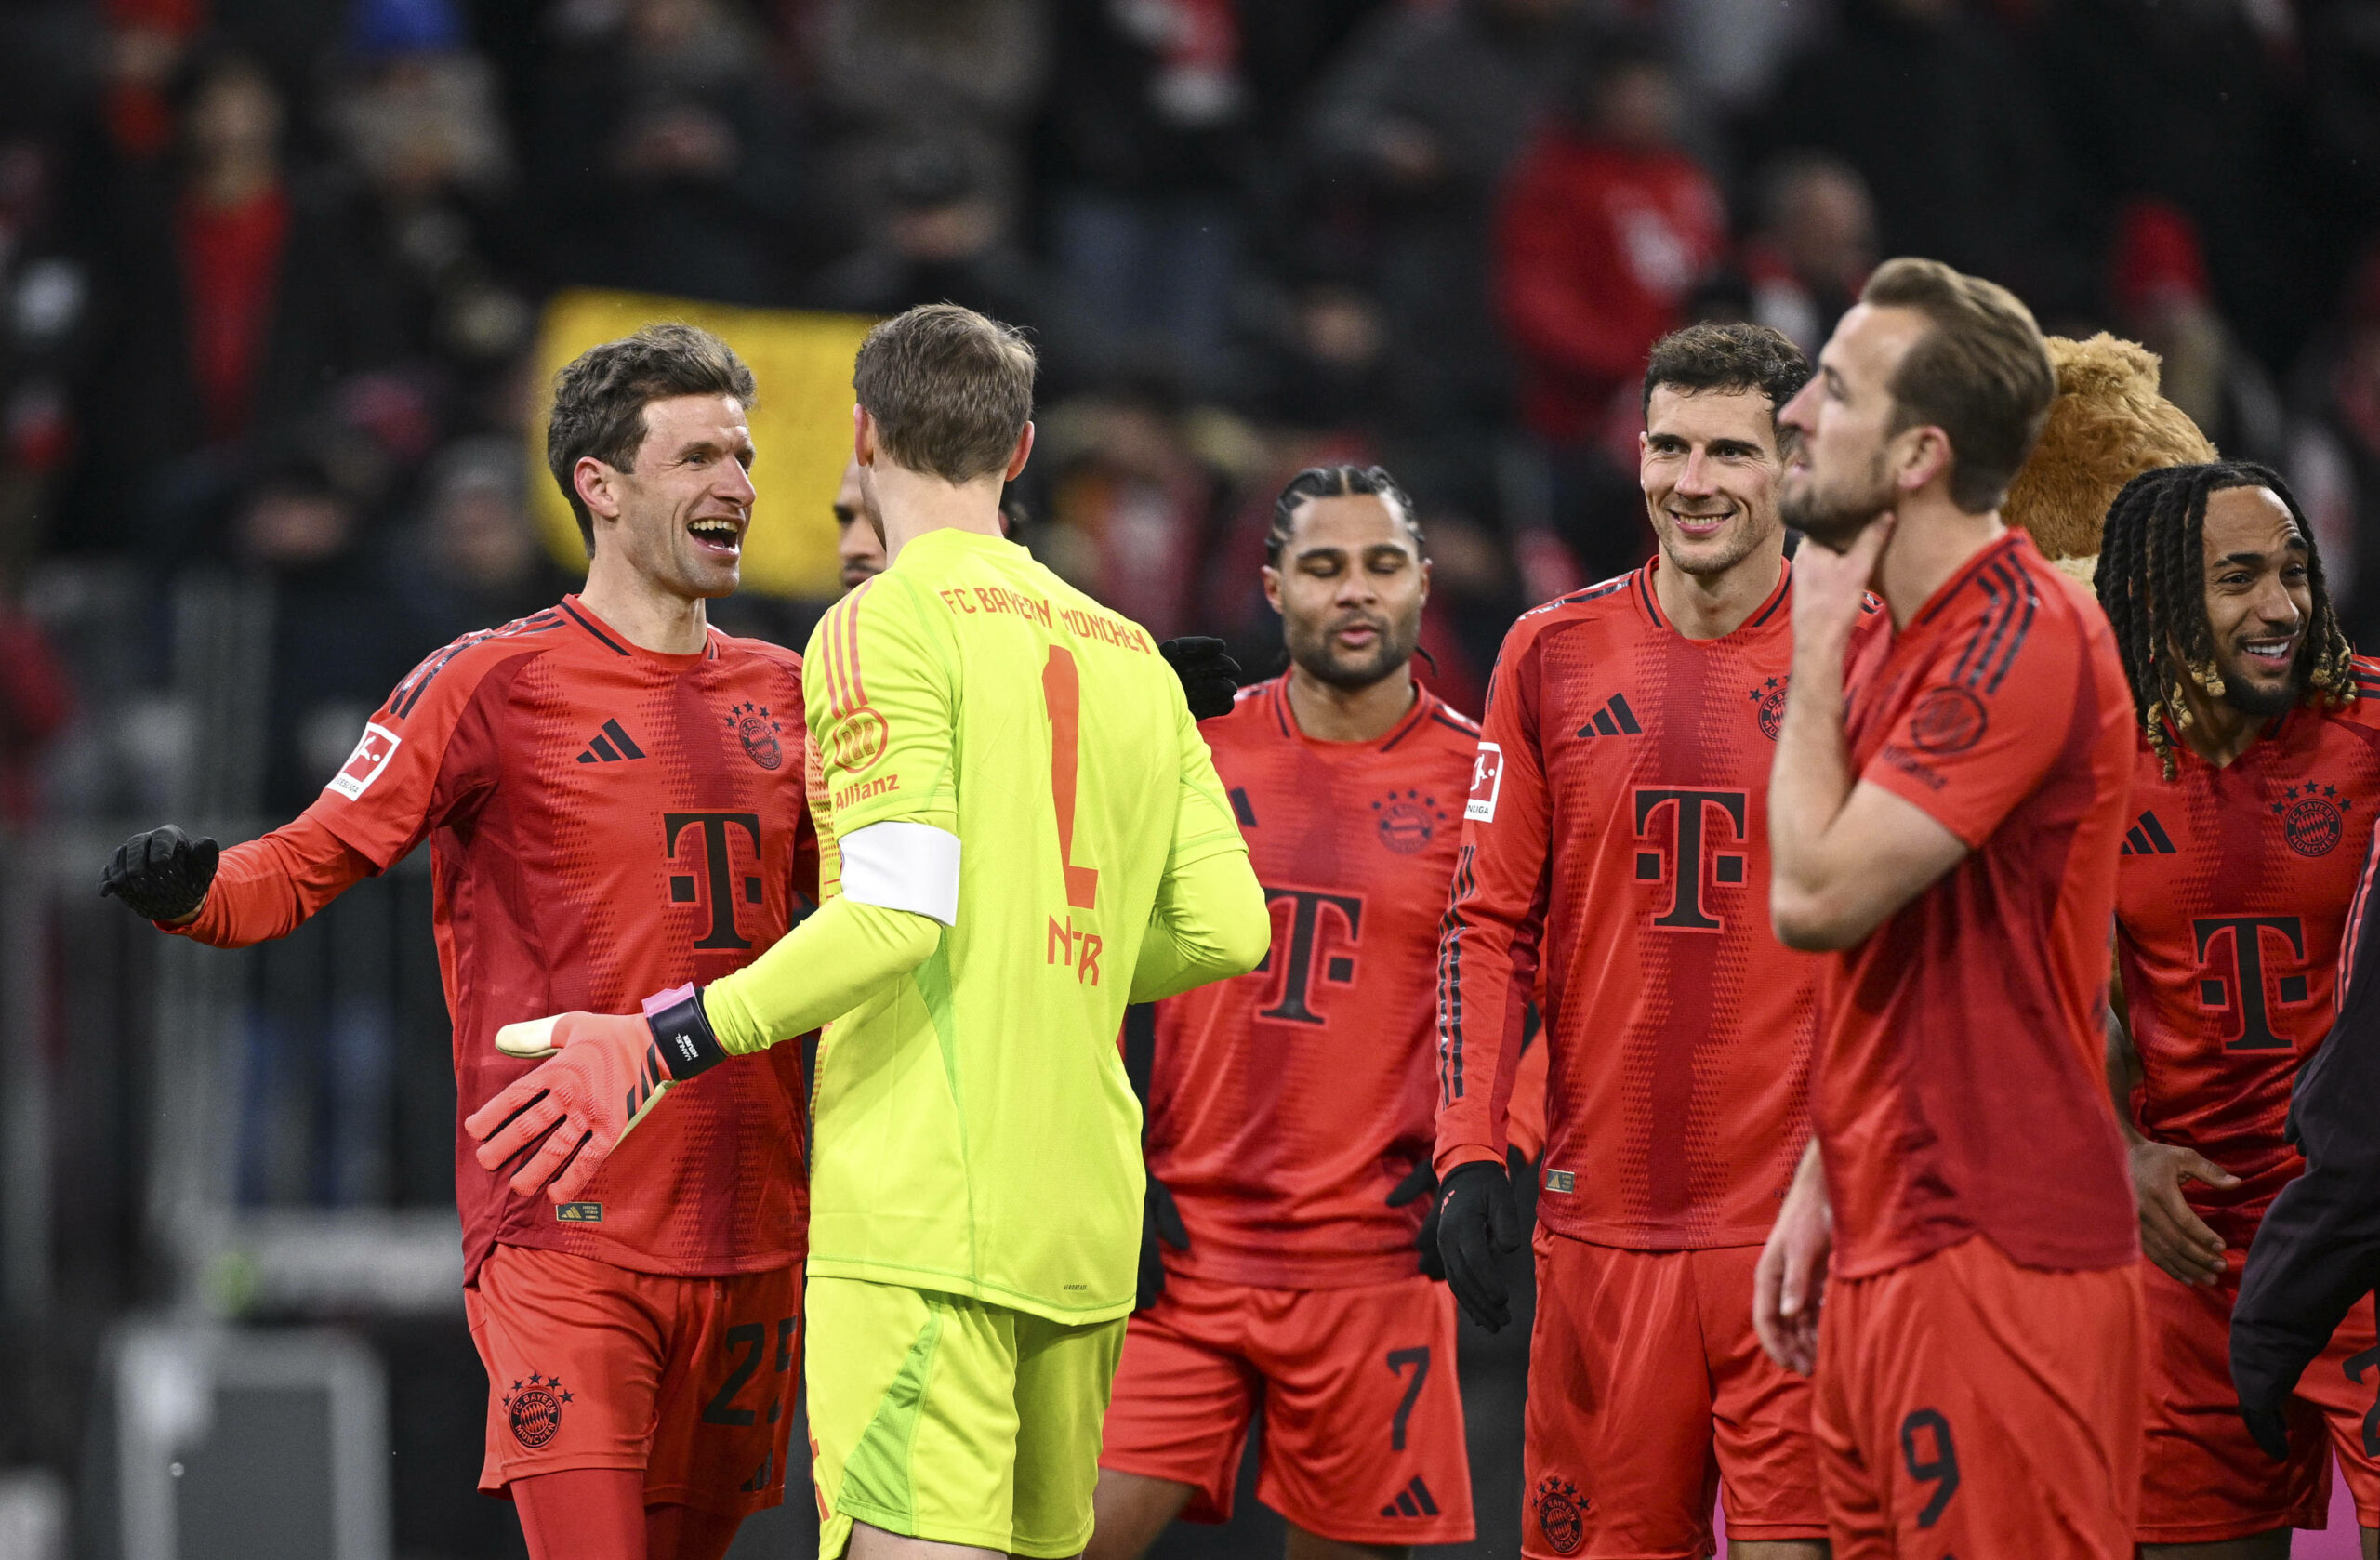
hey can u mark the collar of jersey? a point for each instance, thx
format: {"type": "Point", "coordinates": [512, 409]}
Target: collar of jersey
{"type": "Point", "coordinates": [583, 618]}
{"type": "Point", "coordinates": [1418, 711]}
{"type": "Point", "coordinates": [952, 535]}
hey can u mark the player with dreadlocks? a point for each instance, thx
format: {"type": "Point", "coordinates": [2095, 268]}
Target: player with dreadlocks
{"type": "Point", "coordinates": [2257, 782]}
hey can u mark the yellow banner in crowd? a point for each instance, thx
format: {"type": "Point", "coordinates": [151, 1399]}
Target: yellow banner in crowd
{"type": "Point", "coordinates": [802, 426]}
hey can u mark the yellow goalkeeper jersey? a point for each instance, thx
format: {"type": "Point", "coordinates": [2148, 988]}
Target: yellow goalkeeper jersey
{"type": "Point", "coordinates": [976, 1132]}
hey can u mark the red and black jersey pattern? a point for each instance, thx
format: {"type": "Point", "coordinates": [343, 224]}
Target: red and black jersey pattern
{"type": "Point", "coordinates": [2235, 892]}
{"type": "Point", "coordinates": [1286, 1104]}
{"type": "Point", "coordinates": [604, 822]}
{"type": "Point", "coordinates": [1615, 862]}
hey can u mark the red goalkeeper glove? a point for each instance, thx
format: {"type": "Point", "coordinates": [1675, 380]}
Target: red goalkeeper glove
{"type": "Point", "coordinates": [606, 1072]}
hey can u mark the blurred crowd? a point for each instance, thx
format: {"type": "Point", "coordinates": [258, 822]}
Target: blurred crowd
{"type": "Point", "coordinates": [270, 269]}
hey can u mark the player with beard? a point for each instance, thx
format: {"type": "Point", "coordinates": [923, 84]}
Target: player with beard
{"type": "Point", "coordinates": [1615, 848]}
{"type": "Point", "coordinates": [2253, 798]}
{"type": "Point", "coordinates": [1944, 817]}
{"type": "Point", "coordinates": [1289, 1121]}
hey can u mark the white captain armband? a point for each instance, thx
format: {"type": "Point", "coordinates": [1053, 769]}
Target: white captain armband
{"type": "Point", "coordinates": [902, 866]}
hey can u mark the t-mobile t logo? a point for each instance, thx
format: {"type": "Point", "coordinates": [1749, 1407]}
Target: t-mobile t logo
{"type": "Point", "coordinates": [1685, 863]}
{"type": "Point", "coordinates": [2241, 978]}
{"type": "Point", "coordinates": [718, 870]}
{"type": "Point", "coordinates": [1308, 908]}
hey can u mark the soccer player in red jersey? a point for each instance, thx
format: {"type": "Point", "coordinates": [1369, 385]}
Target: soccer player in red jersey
{"type": "Point", "coordinates": [613, 795]}
{"type": "Point", "coordinates": [1945, 814]}
{"type": "Point", "coordinates": [2256, 780]}
{"type": "Point", "coordinates": [1615, 847]}
{"type": "Point", "coordinates": [1289, 1107]}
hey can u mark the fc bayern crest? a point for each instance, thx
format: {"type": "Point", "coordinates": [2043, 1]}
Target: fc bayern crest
{"type": "Point", "coordinates": [533, 1408]}
{"type": "Point", "coordinates": [1770, 698]}
{"type": "Point", "coordinates": [2312, 818]}
{"type": "Point", "coordinates": [753, 727]}
{"type": "Point", "coordinates": [1561, 1514]}
{"type": "Point", "coordinates": [1408, 821]}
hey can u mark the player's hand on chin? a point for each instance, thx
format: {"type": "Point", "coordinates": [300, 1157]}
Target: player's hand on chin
{"type": "Point", "coordinates": [1829, 586]}
{"type": "Point", "coordinates": [2171, 1235]}
{"type": "Point", "coordinates": [604, 1072]}
{"type": "Point", "coordinates": [1790, 1280]}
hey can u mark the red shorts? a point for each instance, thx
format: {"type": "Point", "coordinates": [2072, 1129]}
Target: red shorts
{"type": "Point", "coordinates": [1363, 1412]}
{"type": "Point", "coordinates": [1970, 1406]}
{"type": "Point", "coordinates": [591, 1366]}
{"type": "Point", "coordinates": [2202, 1477]}
{"type": "Point", "coordinates": [1647, 1393]}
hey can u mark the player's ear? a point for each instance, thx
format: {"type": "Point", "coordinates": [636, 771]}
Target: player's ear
{"type": "Point", "coordinates": [595, 482]}
{"type": "Point", "coordinates": [1926, 457]}
{"type": "Point", "coordinates": [1024, 451]}
{"type": "Point", "coordinates": [1426, 580]}
{"type": "Point", "coordinates": [863, 436]}
{"type": "Point", "coordinates": [1273, 588]}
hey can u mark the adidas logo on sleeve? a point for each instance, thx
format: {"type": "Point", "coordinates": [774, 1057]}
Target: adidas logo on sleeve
{"type": "Point", "coordinates": [611, 745]}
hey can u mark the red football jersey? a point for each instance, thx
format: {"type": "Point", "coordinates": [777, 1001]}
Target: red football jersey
{"type": "Point", "coordinates": [2231, 899]}
{"type": "Point", "coordinates": [1960, 1089]}
{"type": "Point", "coordinates": [1616, 835]}
{"type": "Point", "coordinates": [1286, 1103]}
{"type": "Point", "coordinates": [604, 822]}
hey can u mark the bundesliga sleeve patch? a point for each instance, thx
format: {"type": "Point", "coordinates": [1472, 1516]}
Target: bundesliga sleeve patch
{"type": "Point", "coordinates": [364, 765]}
{"type": "Point", "coordinates": [1487, 779]}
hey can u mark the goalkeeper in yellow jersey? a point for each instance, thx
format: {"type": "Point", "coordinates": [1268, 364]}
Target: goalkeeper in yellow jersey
{"type": "Point", "coordinates": [1020, 831]}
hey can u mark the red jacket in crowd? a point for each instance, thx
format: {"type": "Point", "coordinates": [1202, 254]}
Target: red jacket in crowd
{"type": "Point", "coordinates": [1597, 247]}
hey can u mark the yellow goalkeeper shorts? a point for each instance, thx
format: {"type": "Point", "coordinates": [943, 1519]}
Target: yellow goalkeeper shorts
{"type": "Point", "coordinates": [939, 1417]}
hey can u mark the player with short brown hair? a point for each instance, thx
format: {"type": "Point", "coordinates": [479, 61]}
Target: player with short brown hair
{"type": "Point", "coordinates": [611, 793]}
{"type": "Point", "coordinates": [1944, 817]}
{"type": "Point", "coordinates": [1615, 851]}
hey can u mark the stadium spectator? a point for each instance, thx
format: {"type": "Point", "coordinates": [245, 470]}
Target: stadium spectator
{"type": "Point", "coordinates": [893, 73]}
{"type": "Point", "coordinates": [2191, 104]}
{"type": "Point", "coordinates": [940, 235]}
{"type": "Point", "coordinates": [232, 300]}
{"type": "Point", "coordinates": [2334, 455]}
{"type": "Point", "coordinates": [671, 112]}
{"type": "Point", "coordinates": [1148, 163]}
{"type": "Point", "coordinates": [1946, 122]}
{"type": "Point", "coordinates": [2162, 297]}
{"type": "Point", "coordinates": [1133, 509]}
{"type": "Point", "coordinates": [1816, 242]}
{"type": "Point", "coordinates": [474, 560]}
{"type": "Point", "coordinates": [1604, 228]}
{"type": "Point", "coordinates": [1418, 121]}
{"type": "Point", "coordinates": [417, 118]}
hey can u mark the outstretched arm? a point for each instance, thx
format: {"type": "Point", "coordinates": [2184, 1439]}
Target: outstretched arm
{"type": "Point", "coordinates": [258, 892]}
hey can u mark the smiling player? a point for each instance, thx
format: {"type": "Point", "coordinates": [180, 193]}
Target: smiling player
{"type": "Point", "coordinates": [2253, 803]}
{"type": "Point", "coordinates": [612, 792]}
{"type": "Point", "coordinates": [1617, 839]}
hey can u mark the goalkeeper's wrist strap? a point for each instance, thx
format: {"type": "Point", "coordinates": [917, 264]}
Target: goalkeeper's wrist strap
{"type": "Point", "coordinates": [682, 1031]}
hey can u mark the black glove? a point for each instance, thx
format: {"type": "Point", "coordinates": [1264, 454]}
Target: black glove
{"type": "Point", "coordinates": [163, 874]}
{"type": "Point", "coordinates": [1159, 1221]}
{"type": "Point", "coordinates": [1421, 1182]}
{"type": "Point", "coordinates": [1478, 1227]}
{"type": "Point", "coordinates": [1210, 677]}
{"type": "Point", "coordinates": [2270, 1427]}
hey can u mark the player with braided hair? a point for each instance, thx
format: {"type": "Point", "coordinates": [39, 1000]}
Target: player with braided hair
{"type": "Point", "coordinates": [2254, 794]}
{"type": "Point", "coordinates": [2150, 580]}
